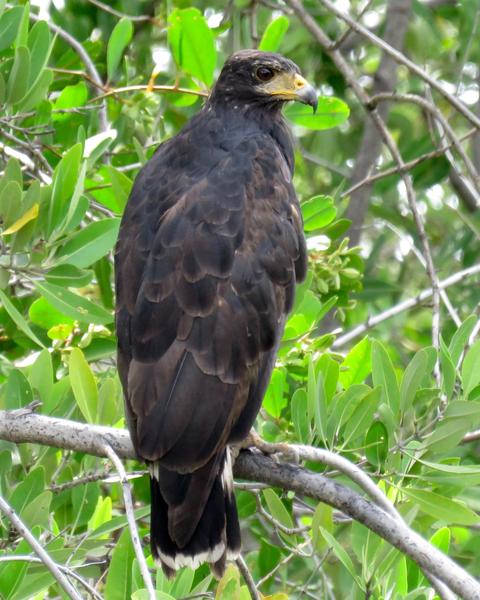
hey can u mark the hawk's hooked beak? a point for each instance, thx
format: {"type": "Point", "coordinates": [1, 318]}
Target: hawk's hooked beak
{"type": "Point", "coordinates": [292, 86]}
{"type": "Point", "coordinates": [305, 92]}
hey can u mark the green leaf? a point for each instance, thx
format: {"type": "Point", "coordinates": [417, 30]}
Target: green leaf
{"type": "Point", "coordinates": [441, 507]}
{"type": "Point", "coordinates": [318, 212]}
{"type": "Point", "coordinates": [299, 411]}
{"type": "Point", "coordinates": [143, 594]}
{"type": "Point", "coordinates": [84, 502]}
{"type": "Point", "coordinates": [357, 364]}
{"type": "Point", "coordinates": [29, 215]}
{"type": "Point", "coordinates": [84, 385]}
{"type": "Point", "coordinates": [331, 112]}
{"type": "Point", "coordinates": [192, 43]}
{"type": "Point", "coordinates": [342, 556]}
{"type": "Point", "coordinates": [275, 400]}
{"type": "Point", "coordinates": [119, 40]}
{"type": "Point", "coordinates": [68, 276]}
{"type": "Point", "coordinates": [13, 172]}
{"type": "Point", "coordinates": [9, 23]}
{"type": "Point", "coordinates": [447, 369]}
{"type": "Point", "coordinates": [41, 375]}
{"type": "Point", "coordinates": [72, 96]}
{"type": "Point", "coordinates": [102, 514]}
{"type": "Point", "coordinates": [316, 400]}
{"type": "Point", "coordinates": [109, 402]}
{"type": "Point", "coordinates": [10, 203]}
{"type": "Point", "coordinates": [17, 85]}
{"type": "Point", "coordinates": [412, 378]}
{"type": "Point", "coordinates": [13, 573]}
{"type": "Point", "coordinates": [322, 517]}
{"type": "Point", "coordinates": [441, 539]}
{"type": "Point", "coordinates": [273, 35]}
{"type": "Point", "coordinates": [460, 417]}
{"type": "Point", "coordinates": [17, 391]}
{"type": "Point", "coordinates": [343, 406]}
{"type": "Point", "coordinates": [29, 489]}
{"type": "Point", "coordinates": [18, 318]}
{"type": "Point", "coordinates": [121, 186]}
{"type": "Point", "coordinates": [65, 179]}
{"type": "Point", "coordinates": [401, 577]}
{"type": "Point", "coordinates": [376, 444]}
{"type": "Point", "coordinates": [277, 508]}
{"type": "Point", "coordinates": [362, 416]}
{"type": "Point", "coordinates": [37, 512]}
{"type": "Point", "coordinates": [460, 338]}
{"type": "Point", "coordinates": [471, 369]}
{"type": "Point", "coordinates": [37, 92]}
{"type": "Point", "coordinates": [22, 33]}
{"type": "Point", "coordinates": [183, 583]}
{"type": "Point", "coordinates": [43, 314]}
{"type": "Point", "coordinates": [383, 375]}
{"type": "Point", "coordinates": [39, 44]}
{"type": "Point", "coordinates": [118, 585]}
{"type": "Point", "coordinates": [89, 244]}
{"type": "Point", "coordinates": [73, 305]}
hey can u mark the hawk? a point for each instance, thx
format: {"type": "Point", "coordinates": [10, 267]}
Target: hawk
{"type": "Point", "coordinates": [210, 249]}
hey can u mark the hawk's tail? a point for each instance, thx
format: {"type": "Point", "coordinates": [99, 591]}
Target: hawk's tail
{"type": "Point", "coordinates": [194, 516]}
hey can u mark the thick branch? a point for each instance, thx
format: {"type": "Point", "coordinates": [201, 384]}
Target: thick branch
{"type": "Point", "coordinates": [21, 426]}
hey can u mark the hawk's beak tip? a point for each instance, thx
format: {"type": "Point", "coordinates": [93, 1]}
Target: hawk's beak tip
{"type": "Point", "coordinates": [308, 95]}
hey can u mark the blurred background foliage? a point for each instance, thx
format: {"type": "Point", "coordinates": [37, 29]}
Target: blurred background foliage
{"type": "Point", "coordinates": [87, 92]}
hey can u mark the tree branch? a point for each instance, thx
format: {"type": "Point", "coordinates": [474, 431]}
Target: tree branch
{"type": "Point", "coordinates": [20, 426]}
{"type": "Point", "coordinates": [402, 59]}
{"type": "Point", "coordinates": [403, 306]}
{"type": "Point", "coordinates": [385, 80]}
{"type": "Point", "coordinates": [42, 554]}
{"type": "Point", "coordinates": [87, 61]}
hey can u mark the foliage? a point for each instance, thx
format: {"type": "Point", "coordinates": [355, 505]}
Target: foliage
{"type": "Point", "coordinates": [63, 187]}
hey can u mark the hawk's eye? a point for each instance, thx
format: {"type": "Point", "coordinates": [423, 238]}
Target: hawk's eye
{"type": "Point", "coordinates": [265, 73]}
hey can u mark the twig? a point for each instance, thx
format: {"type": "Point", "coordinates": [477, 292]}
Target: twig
{"type": "Point", "coordinates": [408, 166]}
{"type": "Point", "coordinates": [402, 59]}
{"type": "Point", "coordinates": [395, 25]}
{"type": "Point", "coordinates": [275, 523]}
{"type": "Point", "coordinates": [45, 558]}
{"type": "Point", "coordinates": [88, 62]}
{"type": "Point", "coordinates": [117, 13]}
{"type": "Point", "coordinates": [243, 568]}
{"type": "Point", "coordinates": [443, 295]}
{"type": "Point", "coordinates": [341, 39]}
{"type": "Point", "coordinates": [279, 565]}
{"type": "Point", "coordinates": [127, 498]}
{"type": "Point", "coordinates": [70, 572]}
{"type": "Point", "coordinates": [403, 306]}
{"type": "Point", "coordinates": [431, 108]}
{"type": "Point", "coordinates": [90, 439]}
{"type": "Point", "coordinates": [336, 461]}
{"type": "Point", "coordinates": [259, 467]}
{"type": "Point", "coordinates": [155, 88]}
{"type": "Point", "coordinates": [29, 147]}
{"type": "Point", "coordinates": [345, 69]}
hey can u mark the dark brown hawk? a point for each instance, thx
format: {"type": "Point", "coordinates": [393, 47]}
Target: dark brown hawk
{"type": "Point", "coordinates": [210, 249]}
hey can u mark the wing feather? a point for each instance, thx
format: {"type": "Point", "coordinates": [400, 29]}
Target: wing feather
{"type": "Point", "coordinates": [205, 273]}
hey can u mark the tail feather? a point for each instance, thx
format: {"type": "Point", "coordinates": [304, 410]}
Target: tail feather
{"type": "Point", "coordinates": [194, 517]}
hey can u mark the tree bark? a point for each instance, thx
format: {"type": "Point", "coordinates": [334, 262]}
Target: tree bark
{"type": "Point", "coordinates": [23, 426]}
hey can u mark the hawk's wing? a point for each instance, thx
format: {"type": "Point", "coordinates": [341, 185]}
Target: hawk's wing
{"type": "Point", "coordinates": [205, 271]}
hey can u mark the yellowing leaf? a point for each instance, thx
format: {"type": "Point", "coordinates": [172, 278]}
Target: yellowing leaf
{"type": "Point", "coordinates": [32, 213]}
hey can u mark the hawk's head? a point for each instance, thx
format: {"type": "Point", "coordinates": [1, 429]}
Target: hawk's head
{"type": "Point", "coordinates": [264, 78]}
